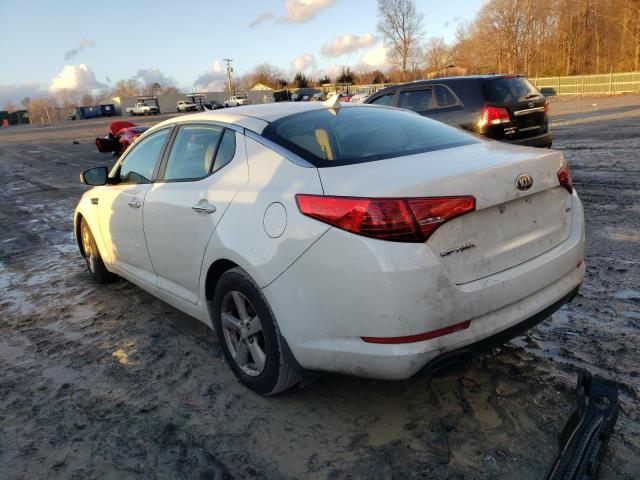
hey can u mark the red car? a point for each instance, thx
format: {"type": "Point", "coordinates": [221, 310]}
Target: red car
{"type": "Point", "coordinates": [121, 135]}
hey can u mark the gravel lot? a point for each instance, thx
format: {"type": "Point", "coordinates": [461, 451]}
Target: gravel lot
{"type": "Point", "coordinates": [108, 382]}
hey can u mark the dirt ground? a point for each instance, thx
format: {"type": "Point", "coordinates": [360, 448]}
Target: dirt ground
{"type": "Point", "coordinates": [108, 382]}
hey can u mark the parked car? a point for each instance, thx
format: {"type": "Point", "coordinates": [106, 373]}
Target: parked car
{"type": "Point", "coordinates": [317, 97]}
{"type": "Point", "coordinates": [345, 98]}
{"type": "Point", "coordinates": [501, 107]}
{"type": "Point", "coordinates": [212, 105]}
{"type": "Point", "coordinates": [121, 135]}
{"type": "Point", "coordinates": [352, 238]}
{"type": "Point", "coordinates": [362, 93]}
{"type": "Point", "coordinates": [236, 100]}
{"type": "Point", "coordinates": [141, 108]}
{"type": "Point", "coordinates": [183, 106]}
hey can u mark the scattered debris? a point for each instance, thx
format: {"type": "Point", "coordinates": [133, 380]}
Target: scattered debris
{"type": "Point", "coordinates": [583, 441]}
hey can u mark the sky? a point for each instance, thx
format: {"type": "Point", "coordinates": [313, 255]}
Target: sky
{"type": "Point", "coordinates": [46, 46]}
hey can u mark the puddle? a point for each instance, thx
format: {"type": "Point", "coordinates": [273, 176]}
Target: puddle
{"type": "Point", "coordinates": [60, 375]}
{"type": "Point", "coordinates": [627, 295]}
{"type": "Point", "coordinates": [10, 353]}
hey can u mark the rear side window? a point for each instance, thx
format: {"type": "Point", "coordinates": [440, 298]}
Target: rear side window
{"type": "Point", "coordinates": [346, 135]}
{"type": "Point", "coordinates": [384, 100]}
{"type": "Point", "coordinates": [444, 96]}
{"type": "Point", "coordinates": [226, 150]}
{"type": "Point", "coordinates": [508, 89]}
{"type": "Point", "coordinates": [192, 152]}
{"type": "Point", "coordinates": [416, 100]}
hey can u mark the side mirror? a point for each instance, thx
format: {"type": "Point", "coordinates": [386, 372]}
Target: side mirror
{"type": "Point", "coordinates": [94, 176]}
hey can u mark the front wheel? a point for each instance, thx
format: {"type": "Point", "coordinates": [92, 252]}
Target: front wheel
{"type": "Point", "coordinates": [92, 256]}
{"type": "Point", "coordinates": [249, 335]}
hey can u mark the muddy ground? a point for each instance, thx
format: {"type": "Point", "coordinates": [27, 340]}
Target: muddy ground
{"type": "Point", "coordinates": [108, 382]}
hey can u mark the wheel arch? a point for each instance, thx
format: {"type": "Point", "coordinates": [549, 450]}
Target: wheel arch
{"type": "Point", "coordinates": [214, 272]}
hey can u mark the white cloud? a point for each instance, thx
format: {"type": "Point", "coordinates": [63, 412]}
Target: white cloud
{"type": "Point", "coordinates": [376, 57]}
{"type": "Point", "coordinates": [16, 92]}
{"type": "Point", "coordinates": [346, 44]}
{"type": "Point", "coordinates": [263, 17]}
{"type": "Point", "coordinates": [300, 11]}
{"type": "Point", "coordinates": [304, 62]}
{"type": "Point", "coordinates": [84, 43]}
{"type": "Point", "coordinates": [152, 75]}
{"type": "Point", "coordinates": [75, 78]}
{"type": "Point", "coordinates": [333, 71]}
{"type": "Point", "coordinates": [212, 81]}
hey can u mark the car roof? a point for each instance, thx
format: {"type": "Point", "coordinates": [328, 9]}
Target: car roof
{"type": "Point", "coordinates": [253, 117]}
{"type": "Point", "coordinates": [456, 79]}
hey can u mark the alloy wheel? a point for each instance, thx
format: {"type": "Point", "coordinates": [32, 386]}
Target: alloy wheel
{"type": "Point", "coordinates": [87, 245]}
{"type": "Point", "coordinates": [243, 333]}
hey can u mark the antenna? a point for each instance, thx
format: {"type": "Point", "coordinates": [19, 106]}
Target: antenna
{"type": "Point", "coordinates": [333, 101]}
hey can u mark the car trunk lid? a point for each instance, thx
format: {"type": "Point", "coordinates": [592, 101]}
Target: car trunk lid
{"type": "Point", "coordinates": [508, 227]}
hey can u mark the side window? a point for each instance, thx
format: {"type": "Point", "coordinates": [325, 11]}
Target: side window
{"type": "Point", "coordinates": [138, 165]}
{"type": "Point", "coordinates": [416, 100]}
{"type": "Point", "coordinates": [226, 150]}
{"type": "Point", "coordinates": [384, 100]}
{"type": "Point", "coordinates": [444, 96]}
{"type": "Point", "coordinates": [193, 152]}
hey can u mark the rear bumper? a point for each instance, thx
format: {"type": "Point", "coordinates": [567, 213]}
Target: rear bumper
{"type": "Point", "coordinates": [499, 338]}
{"type": "Point", "coordinates": [541, 141]}
{"type": "Point", "coordinates": [346, 287]}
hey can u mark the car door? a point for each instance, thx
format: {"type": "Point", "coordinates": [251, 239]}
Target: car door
{"type": "Point", "coordinates": [120, 205]}
{"type": "Point", "coordinates": [418, 99]}
{"type": "Point", "coordinates": [450, 109]}
{"type": "Point", "coordinates": [200, 175]}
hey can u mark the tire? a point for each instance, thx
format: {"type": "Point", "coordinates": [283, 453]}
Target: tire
{"type": "Point", "coordinates": [91, 254]}
{"type": "Point", "coordinates": [278, 370]}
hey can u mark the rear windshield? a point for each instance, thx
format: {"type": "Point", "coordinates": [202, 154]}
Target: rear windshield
{"type": "Point", "coordinates": [346, 135]}
{"type": "Point", "coordinates": [508, 89]}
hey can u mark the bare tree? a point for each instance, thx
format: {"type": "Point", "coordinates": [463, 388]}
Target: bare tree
{"type": "Point", "coordinates": [266, 74]}
{"type": "Point", "coordinates": [9, 106]}
{"type": "Point", "coordinates": [126, 88]}
{"type": "Point", "coordinates": [437, 54]}
{"type": "Point", "coordinates": [400, 24]}
{"type": "Point", "coordinates": [86, 100]}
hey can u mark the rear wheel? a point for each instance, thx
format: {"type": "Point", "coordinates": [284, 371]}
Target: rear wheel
{"type": "Point", "coordinates": [92, 256]}
{"type": "Point", "coordinates": [249, 335]}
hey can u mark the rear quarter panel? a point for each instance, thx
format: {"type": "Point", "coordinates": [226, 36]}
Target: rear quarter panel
{"type": "Point", "coordinates": [241, 236]}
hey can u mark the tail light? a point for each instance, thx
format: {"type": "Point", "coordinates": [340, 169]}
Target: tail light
{"type": "Point", "coordinates": [493, 116]}
{"type": "Point", "coordinates": [394, 219]}
{"type": "Point", "coordinates": [546, 107]}
{"type": "Point", "coordinates": [564, 177]}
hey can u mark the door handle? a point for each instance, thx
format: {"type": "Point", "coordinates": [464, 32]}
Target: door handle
{"type": "Point", "coordinates": [134, 203]}
{"type": "Point", "coordinates": [203, 207]}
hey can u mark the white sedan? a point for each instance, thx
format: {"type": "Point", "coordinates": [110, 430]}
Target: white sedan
{"type": "Point", "coordinates": [351, 238]}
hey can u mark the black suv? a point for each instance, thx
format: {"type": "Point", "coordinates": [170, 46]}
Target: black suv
{"type": "Point", "coordinates": [502, 107]}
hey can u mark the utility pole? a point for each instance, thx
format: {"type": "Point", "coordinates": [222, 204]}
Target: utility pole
{"type": "Point", "coordinates": [229, 69]}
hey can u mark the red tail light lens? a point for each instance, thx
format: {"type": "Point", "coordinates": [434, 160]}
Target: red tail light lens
{"type": "Point", "coordinates": [394, 219]}
{"type": "Point", "coordinates": [546, 107]}
{"type": "Point", "coordinates": [494, 116]}
{"type": "Point", "coordinates": [564, 177]}
{"type": "Point", "coordinates": [430, 213]}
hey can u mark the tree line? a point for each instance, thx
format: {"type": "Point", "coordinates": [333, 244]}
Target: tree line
{"type": "Point", "coordinates": [533, 37]}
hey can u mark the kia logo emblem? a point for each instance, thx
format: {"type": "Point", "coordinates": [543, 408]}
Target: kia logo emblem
{"type": "Point", "coordinates": [531, 104]}
{"type": "Point", "coordinates": [524, 182]}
